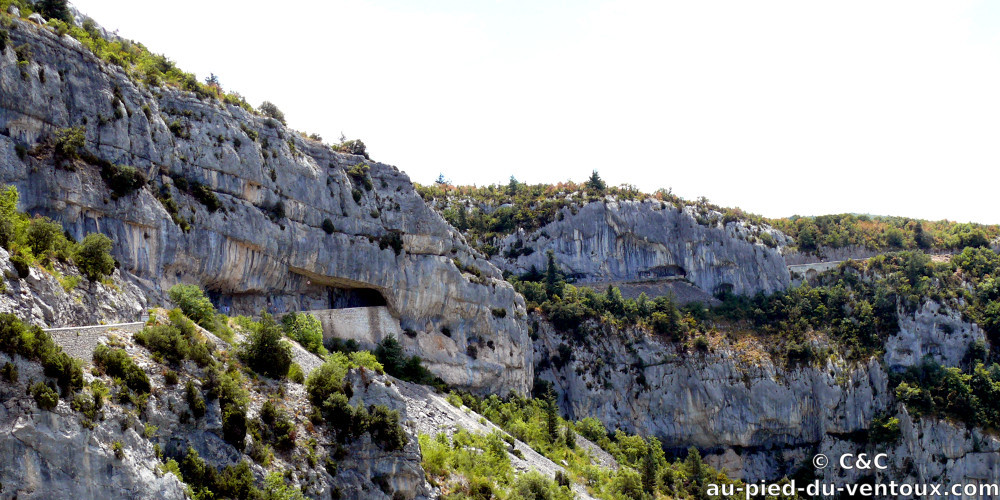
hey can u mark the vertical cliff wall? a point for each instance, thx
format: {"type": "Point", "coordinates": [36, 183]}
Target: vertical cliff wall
{"type": "Point", "coordinates": [260, 216]}
{"type": "Point", "coordinates": [633, 240]}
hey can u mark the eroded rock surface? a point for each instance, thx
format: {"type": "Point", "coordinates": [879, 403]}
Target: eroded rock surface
{"type": "Point", "coordinates": [297, 223]}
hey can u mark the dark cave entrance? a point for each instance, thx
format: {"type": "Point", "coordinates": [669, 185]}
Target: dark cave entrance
{"type": "Point", "coordinates": [343, 298]}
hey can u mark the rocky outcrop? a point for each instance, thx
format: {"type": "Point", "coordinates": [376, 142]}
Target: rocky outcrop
{"type": "Point", "coordinates": [753, 417]}
{"type": "Point", "coordinates": [648, 240]}
{"type": "Point", "coordinates": [38, 297]}
{"type": "Point", "coordinates": [932, 331]}
{"type": "Point", "coordinates": [297, 223]}
{"type": "Point", "coordinates": [53, 455]}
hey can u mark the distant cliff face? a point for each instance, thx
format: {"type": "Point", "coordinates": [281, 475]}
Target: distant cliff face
{"type": "Point", "coordinates": [758, 419]}
{"type": "Point", "coordinates": [632, 240]}
{"type": "Point", "coordinates": [298, 226]}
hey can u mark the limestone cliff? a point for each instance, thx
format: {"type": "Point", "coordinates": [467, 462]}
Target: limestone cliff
{"type": "Point", "coordinates": [296, 224]}
{"type": "Point", "coordinates": [648, 240]}
{"type": "Point", "coordinates": [756, 418]}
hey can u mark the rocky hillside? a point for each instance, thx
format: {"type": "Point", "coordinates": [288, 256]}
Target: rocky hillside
{"type": "Point", "coordinates": [647, 240]}
{"type": "Point", "coordinates": [259, 215]}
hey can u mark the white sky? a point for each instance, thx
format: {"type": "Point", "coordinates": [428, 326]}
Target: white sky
{"type": "Point", "coordinates": [779, 108]}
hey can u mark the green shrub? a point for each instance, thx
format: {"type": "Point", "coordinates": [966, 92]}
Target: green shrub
{"type": "Point", "coordinates": [208, 482]}
{"type": "Point", "coordinates": [269, 110]}
{"type": "Point", "coordinates": [119, 449]}
{"type": "Point", "coordinates": [295, 374]}
{"type": "Point", "coordinates": [234, 426]}
{"type": "Point", "coordinates": [9, 372]}
{"type": "Point", "coordinates": [393, 240]}
{"type": "Point", "coordinates": [265, 351]}
{"type": "Point", "coordinates": [205, 196]}
{"type": "Point", "coordinates": [354, 147]}
{"type": "Point", "coordinates": [32, 343]}
{"type": "Point", "coordinates": [45, 396]}
{"type": "Point", "coordinates": [195, 402]}
{"type": "Point", "coordinates": [55, 9]}
{"type": "Point", "coordinates": [123, 180]}
{"type": "Point", "coordinates": [306, 330]}
{"type": "Point", "coordinates": [532, 485]}
{"type": "Point", "coordinates": [884, 429]}
{"type": "Point", "coordinates": [117, 363]}
{"type": "Point", "coordinates": [44, 236]}
{"type": "Point", "coordinates": [93, 257]}
{"type": "Point", "coordinates": [177, 341]}
{"type": "Point", "coordinates": [328, 227]}
{"type": "Point", "coordinates": [276, 428]}
{"type": "Point", "coordinates": [69, 143]}
{"type": "Point", "coordinates": [383, 425]}
{"type": "Point", "coordinates": [327, 379]}
{"type": "Point", "coordinates": [389, 353]}
{"type": "Point", "coordinates": [194, 304]}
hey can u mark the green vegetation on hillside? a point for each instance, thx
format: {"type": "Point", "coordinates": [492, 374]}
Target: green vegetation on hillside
{"type": "Point", "coordinates": [483, 465]}
{"type": "Point", "coordinates": [31, 342]}
{"type": "Point", "coordinates": [883, 233]}
{"type": "Point", "coordinates": [486, 214]}
{"type": "Point", "coordinates": [41, 241]}
{"type": "Point", "coordinates": [329, 393]}
{"type": "Point", "coordinates": [856, 305]}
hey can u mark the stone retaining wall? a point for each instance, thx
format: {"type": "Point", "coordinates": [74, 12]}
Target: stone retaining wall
{"type": "Point", "coordinates": [80, 341]}
{"type": "Point", "coordinates": [367, 325]}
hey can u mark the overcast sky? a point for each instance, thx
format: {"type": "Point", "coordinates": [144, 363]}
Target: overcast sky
{"type": "Point", "coordinates": [780, 108]}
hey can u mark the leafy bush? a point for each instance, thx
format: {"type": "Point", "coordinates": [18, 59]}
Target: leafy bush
{"type": "Point", "coordinates": [122, 179]}
{"type": "Point", "coordinates": [269, 110]}
{"type": "Point", "coordinates": [383, 425]}
{"type": "Point", "coordinates": [884, 429]}
{"type": "Point", "coordinates": [195, 402]}
{"type": "Point", "coordinates": [354, 147]}
{"type": "Point", "coordinates": [93, 257]}
{"type": "Point", "coordinates": [176, 341]}
{"type": "Point", "coordinates": [69, 143]}
{"type": "Point", "coordinates": [55, 9]}
{"type": "Point", "coordinates": [389, 353]}
{"type": "Point", "coordinates": [32, 343]}
{"type": "Point", "coordinates": [276, 428]}
{"type": "Point", "coordinates": [306, 330]}
{"type": "Point", "coordinates": [45, 396]}
{"type": "Point", "coordinates": [117, 363]}
{"type": "Point", "coordinates": [328, 227]}
{"type": "Point", "coordinates": [265, 351]}
{"type": "Point", "coordinates": [295, 374]}
{"type": "Point", "coordinates": [194, 304]}
{"type": "Point", "coordinates": [232, 481]}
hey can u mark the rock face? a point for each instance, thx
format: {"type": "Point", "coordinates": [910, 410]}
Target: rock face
{"type": "Point", "coordinates": [757, 419]}
{"type": "Point", "coordinates": [52, 455]}
{"type": "Point", "coordinates": [40, 299]}
{"type": "Point", "coordinates": [932, 331]}
{"type": "Point", "coordinates": [632, 240]}
{"type": "Point", "coordinates": [298, 224]}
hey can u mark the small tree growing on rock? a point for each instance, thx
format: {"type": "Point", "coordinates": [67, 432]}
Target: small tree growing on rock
{"type": "Point", "coordinates": [270, 110]}
{"type": "Point", "coordinates": [93, 257]}
{"type": "Point", "coordinates": [265, 351]}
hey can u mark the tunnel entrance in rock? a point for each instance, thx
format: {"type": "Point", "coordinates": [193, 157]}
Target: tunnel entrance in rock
{"type": "Point", "coordinates": [666, 271]}
{"type": "Point", "coordinates": [343, 298]}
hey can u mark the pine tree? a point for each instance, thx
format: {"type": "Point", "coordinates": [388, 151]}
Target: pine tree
{"type": "Point", "coordinates": [552, 417]}
{"type": "Point", "coordinates": [595, 183]}
{"type": "Point", "coordinates": [552, 280]}
{"type": "Point", "coordinates": [55, 9]}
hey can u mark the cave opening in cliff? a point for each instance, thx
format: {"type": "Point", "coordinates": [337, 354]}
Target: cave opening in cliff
{"type": "Point", "coordinates": [665, 271]}
{"type": "Point", "coordinates": [343, 298]}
